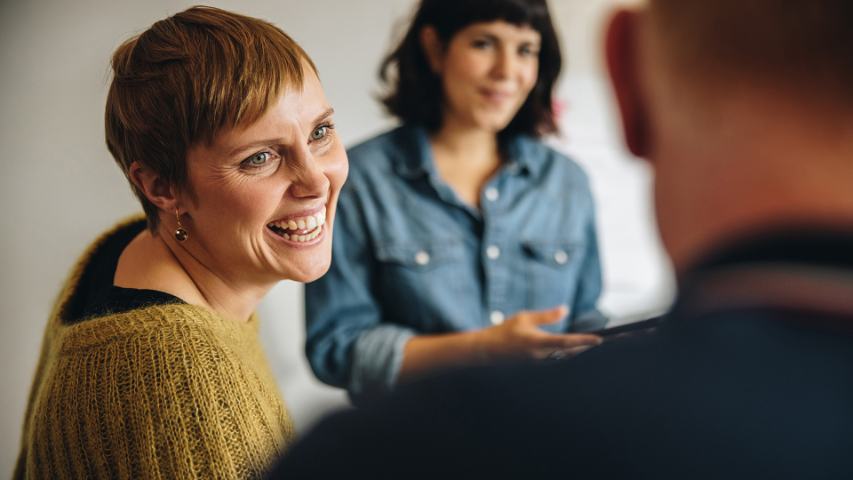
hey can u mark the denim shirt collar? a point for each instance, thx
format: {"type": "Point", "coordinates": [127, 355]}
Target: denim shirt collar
{"type": "Point", "coordinates": [415, 153]}
{"type": "Point", "coordinates": [416, 160]}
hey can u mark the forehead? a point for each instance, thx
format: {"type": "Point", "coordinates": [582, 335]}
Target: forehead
{"type": "Point", "coordinates": [295, 110]}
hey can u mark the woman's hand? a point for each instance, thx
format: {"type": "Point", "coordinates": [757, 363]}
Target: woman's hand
{"type": "Point", "coordinates": [521, 337]}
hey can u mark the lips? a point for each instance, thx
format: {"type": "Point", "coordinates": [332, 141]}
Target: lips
{"type": "Point", "coordinates": [495, 96]}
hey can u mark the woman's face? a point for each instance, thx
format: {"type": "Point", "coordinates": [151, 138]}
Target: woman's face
{"type": "Point", "coordinates": [488, 70]}
{"type": "Point", "coordinates": [262, 198]}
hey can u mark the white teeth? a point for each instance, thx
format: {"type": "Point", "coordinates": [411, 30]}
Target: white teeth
{"type": "Point", "coordinates": [309, 223]}
{"type": "Point", "coordinates": [303, 238]}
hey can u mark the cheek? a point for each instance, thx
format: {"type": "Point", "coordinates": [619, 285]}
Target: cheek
{"type": "Point", "coordinates": [247, 203]}
{"type": "Point", "coordinates": [464, 72]}
{"type": "Point", "coordinates": [337, 169]}
{"type": "Point", "coordinates": [530, 76]}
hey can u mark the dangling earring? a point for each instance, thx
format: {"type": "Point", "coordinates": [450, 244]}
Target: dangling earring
{"type": "Point", "coordinates": [180, 233]}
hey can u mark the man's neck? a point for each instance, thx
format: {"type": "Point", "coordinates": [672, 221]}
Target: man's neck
{"type": "Point", "coordinates": [759, 164]}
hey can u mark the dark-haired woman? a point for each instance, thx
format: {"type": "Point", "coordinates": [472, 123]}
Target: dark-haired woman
{"type": "Point", "coordinates": [462, 237]}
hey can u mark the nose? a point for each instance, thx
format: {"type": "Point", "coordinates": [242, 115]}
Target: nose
{"type": "Point", "coordinates": [308, 179]}
{"type": "Point", "coordinates": [504, 63]}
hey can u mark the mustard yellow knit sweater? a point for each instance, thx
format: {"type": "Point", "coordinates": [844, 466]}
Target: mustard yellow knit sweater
{"type": "Point", "coordinates": [167, 391]}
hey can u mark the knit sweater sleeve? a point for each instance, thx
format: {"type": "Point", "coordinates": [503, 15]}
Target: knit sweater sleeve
{"type": "Point", "coordinates": [172, 400]}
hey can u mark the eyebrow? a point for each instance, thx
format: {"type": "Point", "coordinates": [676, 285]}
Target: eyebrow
{"type": "Point", "coordinates": [328, 113]}
{"type": "Point", "coordinates": [260, 143]}
{"type": "Point", "coordinates": [493, 37]}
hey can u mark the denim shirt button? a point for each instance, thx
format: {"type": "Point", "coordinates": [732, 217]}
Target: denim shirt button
{"type": "Point", "coordinates": [492, 194]}
{"type": "Point", "coordinates": [493, 252]}
{"type": "Point", "coordinates": [496, 317]}
{"type": "Point", "coordinates": [422, 258]}
{"type": "Point", "coordinates": [561, 257]}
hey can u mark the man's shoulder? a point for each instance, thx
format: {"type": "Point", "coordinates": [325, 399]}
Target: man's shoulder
{"type": "Point", "coordinates": [696, 392]}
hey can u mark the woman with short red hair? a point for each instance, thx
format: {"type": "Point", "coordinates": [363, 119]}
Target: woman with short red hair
{"type": "Point", "coordinates": [151, 365]}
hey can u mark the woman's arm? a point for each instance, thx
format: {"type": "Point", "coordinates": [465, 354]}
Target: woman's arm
{"type": "Point", "coordinates": [519, 337]}
{"type": "Point", "coordinates": [347, 343]}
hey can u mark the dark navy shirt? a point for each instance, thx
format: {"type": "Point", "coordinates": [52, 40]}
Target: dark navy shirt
{"type": "Point", "coordinates": [411, 258]}
{"type": "Point", "coordinates": [749, 376]}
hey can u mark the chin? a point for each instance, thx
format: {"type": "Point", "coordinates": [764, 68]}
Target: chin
{"type": "Point", "coordinates": [307, 273]}
{"type": "Point", "coordinates": [493, 123]}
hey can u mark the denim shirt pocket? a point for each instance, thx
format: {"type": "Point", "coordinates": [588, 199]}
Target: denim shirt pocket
{"type": "Point", "coordinates": [551, 271]}
{"type": "Point", "coordinates": [421, 281]}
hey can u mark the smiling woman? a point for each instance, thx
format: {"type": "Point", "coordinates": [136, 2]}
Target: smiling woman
{"type": "Point", "coordinates": [150, 365]}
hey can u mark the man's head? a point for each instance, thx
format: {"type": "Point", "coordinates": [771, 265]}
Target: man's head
{"type": "Point", "coordinates": [744, 109]}
{"type": "Point", "coordinates": [802, 44]}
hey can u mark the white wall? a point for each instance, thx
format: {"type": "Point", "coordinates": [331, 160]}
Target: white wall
{"type": "Point", "coordinates": [60, 186]}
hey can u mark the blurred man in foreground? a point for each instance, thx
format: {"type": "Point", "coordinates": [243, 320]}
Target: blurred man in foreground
{"type": "Point", "coordinates": [744, 109]}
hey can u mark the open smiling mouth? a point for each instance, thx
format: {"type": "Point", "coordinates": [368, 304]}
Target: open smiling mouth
{"type": "Point", "coordinates": [301, 229]}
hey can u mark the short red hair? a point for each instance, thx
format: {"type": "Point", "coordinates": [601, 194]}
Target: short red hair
{"type": "Point", "coordinates": [187, 77]}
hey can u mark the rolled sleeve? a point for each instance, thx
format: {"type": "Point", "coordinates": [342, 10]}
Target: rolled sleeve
{"type": "Point", "coordinates": [377, 358]}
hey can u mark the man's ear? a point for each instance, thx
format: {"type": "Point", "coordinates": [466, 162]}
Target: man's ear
{"type": "Point", "coordinates": [621, 52]}
{"type": "Point", "coordinates": [433, 48]}
{"type": "Point", "coordinates": [158, 191]}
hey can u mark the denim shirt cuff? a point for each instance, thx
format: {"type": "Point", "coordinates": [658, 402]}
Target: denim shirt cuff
{"type": "Point", "coordinates": [377, 358]}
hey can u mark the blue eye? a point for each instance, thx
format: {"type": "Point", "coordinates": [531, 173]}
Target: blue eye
{"type": "Point", "coordinates": [258, 160]}
{"type": "Point", "coordinates": [320, 132]}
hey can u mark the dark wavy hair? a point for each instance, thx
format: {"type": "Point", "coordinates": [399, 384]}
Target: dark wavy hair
{"type": "Point", "coordinates": [414, 91]}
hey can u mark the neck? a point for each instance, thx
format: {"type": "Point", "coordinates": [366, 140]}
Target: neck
{"type": "Point", "coordinates": [456, 141]}
{"type": "Point", "coordinates": [161, 263]}
{"type": "Point", "coordinates": [754, 164]}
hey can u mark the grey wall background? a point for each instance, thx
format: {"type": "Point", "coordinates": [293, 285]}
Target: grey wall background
{"type": "Point", "coordinates": [60, 187]}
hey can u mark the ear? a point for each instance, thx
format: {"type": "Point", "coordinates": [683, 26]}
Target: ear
{"type": "Point", "coordinates": [158, 191]}
{"type": "Point", "coordinates": [621, 51]}
{"type": "Point", "coordinates": [433, 48]}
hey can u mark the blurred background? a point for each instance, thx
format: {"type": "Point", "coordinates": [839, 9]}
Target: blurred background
{"type": "Point", "coordinates": [60, 187]}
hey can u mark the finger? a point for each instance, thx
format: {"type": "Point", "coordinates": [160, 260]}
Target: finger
{"type": "Point", "coordinates": [560, 353]}
{"type": "Point", "coordinates": [557, 341]}
{"type": "Point", "coordinates": [544, 317]}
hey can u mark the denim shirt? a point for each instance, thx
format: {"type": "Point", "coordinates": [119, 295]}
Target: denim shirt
{"type": "Point", "coordinates": [409, 257]}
